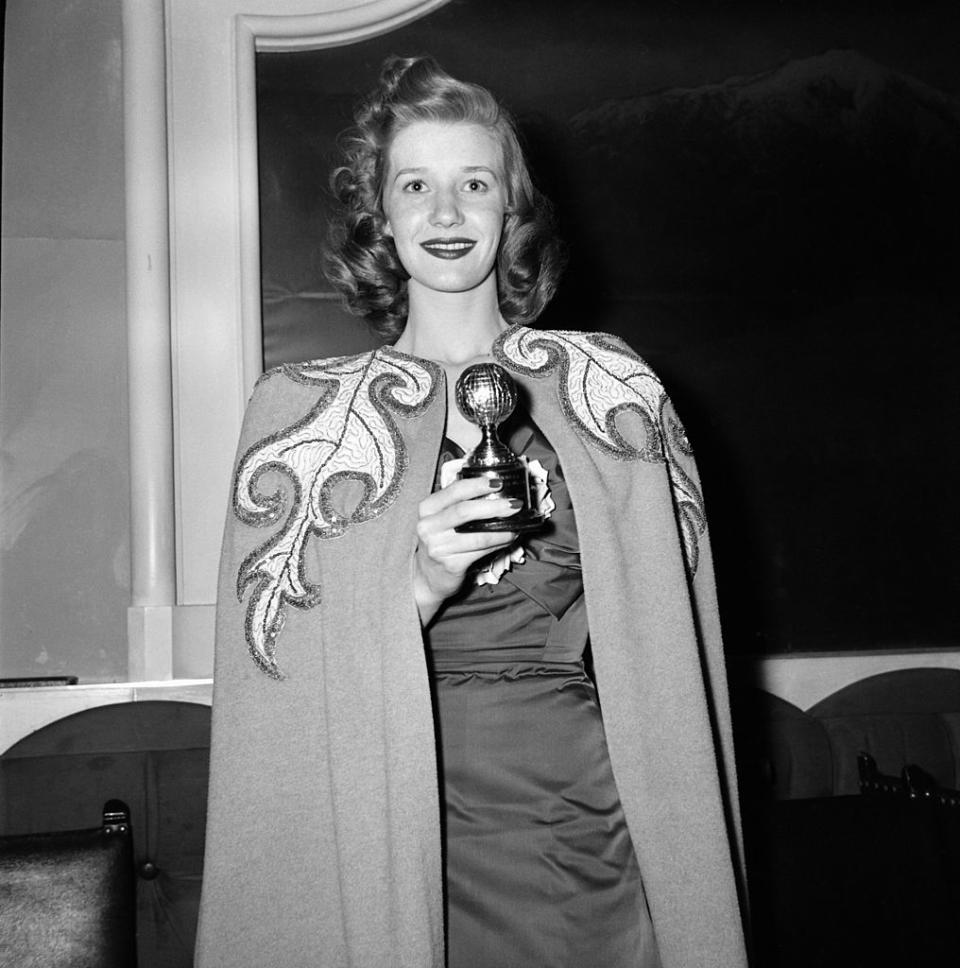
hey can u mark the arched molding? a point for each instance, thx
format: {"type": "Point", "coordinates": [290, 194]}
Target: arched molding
{"type": "Point", "coordinates": [308, 31]}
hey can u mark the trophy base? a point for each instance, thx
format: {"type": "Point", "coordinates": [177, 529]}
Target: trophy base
{"type": "Point", "coordinates": [521, 523]}
{"type": "Point", "coordinates": [515, 483]}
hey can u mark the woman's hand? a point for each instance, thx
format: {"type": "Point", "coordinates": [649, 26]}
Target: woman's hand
{"type": "Point", "coordinates": [443, 555]}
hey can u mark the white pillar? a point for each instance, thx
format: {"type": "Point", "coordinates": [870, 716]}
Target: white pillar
{"type": "Point", "coordinates": [153, 562]}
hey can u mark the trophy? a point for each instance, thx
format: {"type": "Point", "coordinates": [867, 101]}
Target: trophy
{"type": "Point", "coordinates": [486, 396]}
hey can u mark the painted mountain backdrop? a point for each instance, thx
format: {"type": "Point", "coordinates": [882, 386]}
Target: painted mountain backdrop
{"type": "Point", "coordinates": [820, 176]}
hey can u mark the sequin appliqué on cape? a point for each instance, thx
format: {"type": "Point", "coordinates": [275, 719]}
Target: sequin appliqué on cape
{"type": "Point", "coordinates": [599, 378]}
{"type": "Point", "coordinates": [348, 434]}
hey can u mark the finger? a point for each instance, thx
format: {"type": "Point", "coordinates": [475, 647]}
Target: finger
{"type": "Point", "coordinates": [453, 543]}
{"type": "Point", "coordinates": [447, 543]}
{"type": "Point", "coordinates": [464, 489]}
{"type": "Point", "coordinates": [477, 509]}
{"type": "Point", "coordinates": [457, 562]}
{"type": "Point", "coordinates": [446, 522]}
{"type": "Point", "coordinates": [467, 561]}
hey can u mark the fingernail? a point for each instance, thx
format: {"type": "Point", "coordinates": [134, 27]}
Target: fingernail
{"type": "Point", "coordinates": [515, 503]}
{"type": "Point", "coordinates": [495, 483]}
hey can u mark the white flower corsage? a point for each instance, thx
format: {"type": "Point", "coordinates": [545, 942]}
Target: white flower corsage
{"type": "Point", "coordinates": [540, 497]}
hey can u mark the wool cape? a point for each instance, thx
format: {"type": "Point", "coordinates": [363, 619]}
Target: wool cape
{"type": "Point", "coordinates": [323, 837]}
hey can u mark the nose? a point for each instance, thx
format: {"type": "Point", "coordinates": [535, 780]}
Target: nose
{"type": "Point", "coordinates": [446, 209]}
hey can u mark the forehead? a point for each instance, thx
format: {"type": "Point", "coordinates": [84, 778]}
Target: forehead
{"type": "Point", "coordinates": [437, 145]}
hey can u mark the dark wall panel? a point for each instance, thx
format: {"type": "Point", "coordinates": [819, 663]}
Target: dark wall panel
{"type": "Point", "coordinates": [763, 201]}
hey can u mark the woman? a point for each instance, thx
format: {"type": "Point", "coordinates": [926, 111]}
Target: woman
{"type": "Point", "coordinates": [567, 840]}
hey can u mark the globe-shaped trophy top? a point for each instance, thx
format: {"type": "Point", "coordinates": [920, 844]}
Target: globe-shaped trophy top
{"type": "Point", "coordinates": [486, 395]}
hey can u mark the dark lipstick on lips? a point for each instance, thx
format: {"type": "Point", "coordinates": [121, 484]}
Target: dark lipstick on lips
{"type": "Point", "coordinates": [448, 248]}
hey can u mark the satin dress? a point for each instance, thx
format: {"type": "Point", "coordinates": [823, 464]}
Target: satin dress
{"type": "Point", "coordinates": [540, 870]}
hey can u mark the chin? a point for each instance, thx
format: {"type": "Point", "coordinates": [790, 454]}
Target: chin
{"type": "Point", "coordinates": [452, 282]}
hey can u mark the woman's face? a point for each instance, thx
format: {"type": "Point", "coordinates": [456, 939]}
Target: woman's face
{"type": "Point", "coordinates": [444, 196]}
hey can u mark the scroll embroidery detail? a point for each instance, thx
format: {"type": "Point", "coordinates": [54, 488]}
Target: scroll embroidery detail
{"type": "Point", "coordinates": [687, 496]}
{"type": "Point", "coordinates": [349, 434]}
{"type": "Point", "coordinates": [600, 377]}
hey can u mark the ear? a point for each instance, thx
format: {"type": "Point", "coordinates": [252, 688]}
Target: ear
{"type": "Point", "coordinates": [387, 231]}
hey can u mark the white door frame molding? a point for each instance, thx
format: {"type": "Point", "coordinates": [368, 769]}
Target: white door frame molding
{"type": "Point", "coordinates": [193, 287]}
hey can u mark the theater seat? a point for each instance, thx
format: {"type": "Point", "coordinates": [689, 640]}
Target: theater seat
{"type": "Point", "coordinates": [152, 755]}
{"type": "Point", "coordinates": [67, 899]}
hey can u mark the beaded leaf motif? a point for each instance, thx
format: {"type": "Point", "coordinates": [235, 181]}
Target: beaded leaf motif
{"type": "Point", "coordinates": [687, 496]}
{"type": "Point", "coordinates": [599, 378]}
{"type": "Point", "coordinates": [349, 434]}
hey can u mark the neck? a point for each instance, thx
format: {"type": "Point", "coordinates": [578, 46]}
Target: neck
{"type": "Point", "coordinates": [452, 328]}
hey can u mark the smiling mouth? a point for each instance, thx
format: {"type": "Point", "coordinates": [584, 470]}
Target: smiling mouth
{"type": "Point", "coordinates": [448, 248]}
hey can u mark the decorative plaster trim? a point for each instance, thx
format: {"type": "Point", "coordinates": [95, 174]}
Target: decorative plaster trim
{"type": "Point", "coordinates": [805, 679]}
{"type": "Point", "coordinates": [24, 711]}
{"type": "Point", "coordinates": [292, 32]}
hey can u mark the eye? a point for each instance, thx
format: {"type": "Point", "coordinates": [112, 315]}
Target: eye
{"type": "Point", "coordinates": [476, 185]}
{"type": "Point", "coordinates": [415, 186]}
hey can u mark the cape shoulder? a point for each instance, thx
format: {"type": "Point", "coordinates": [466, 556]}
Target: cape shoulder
{"type": "Point", "coordinates": [348, 433]}
{"type": "Point", "coordinates": [598, 378]}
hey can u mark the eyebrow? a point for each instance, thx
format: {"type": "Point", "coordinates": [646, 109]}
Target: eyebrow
{"type": "Point", "coordinates": [472, 168]}
{"type": "Point", "coordinates": [467, 170]}
{"type": "Point", "coordinates": [408, 171]}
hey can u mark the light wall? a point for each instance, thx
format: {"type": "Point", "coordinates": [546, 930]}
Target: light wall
{"type": "Point", "coordinates": [64, 452]}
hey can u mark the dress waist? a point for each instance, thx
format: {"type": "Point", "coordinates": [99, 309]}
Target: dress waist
{"type": "Point", "coordinates": [502, 666]}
